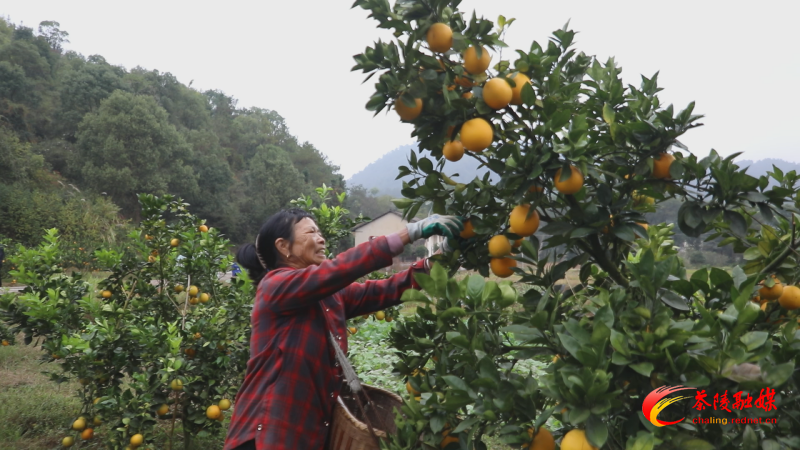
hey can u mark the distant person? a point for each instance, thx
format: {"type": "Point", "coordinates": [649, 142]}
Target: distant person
{"type": "Point", "coordinates": [2, 260]}
{"type": "Point", "coordinates": [293, 377]}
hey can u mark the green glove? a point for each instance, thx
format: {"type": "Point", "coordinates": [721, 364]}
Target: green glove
{"type": "Point", "coordinates": [435, 225]}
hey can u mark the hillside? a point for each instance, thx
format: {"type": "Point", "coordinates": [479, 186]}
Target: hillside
{"type": "Point", "coordinates": [381, 174]}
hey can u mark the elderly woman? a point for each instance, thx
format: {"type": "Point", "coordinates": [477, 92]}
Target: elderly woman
{"type": "Point", "coordinates": [293, 379]}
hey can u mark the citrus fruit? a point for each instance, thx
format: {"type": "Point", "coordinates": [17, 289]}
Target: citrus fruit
{"type": "Point", "coordinates": [175, 242]}
{"type": "Point", "coordinates": [136, 440]}
{"type": "Point", "coordinates": [190, 352]}
{"type": "Point", "coordinates": [389, 319]}
{"type": "Point", "coordinates": [447, 439]}
{"type": "Point", "coordinates": [79, 424]}
{"type": "Point", "coordinates": [97, 421]}
{"type": "Point", "coordinates": [5, 343]}
{"type": "Point", "coordinates": [475, 65]}
{"type": "Point", "coordinates": [224, 404]}
{"type": "Point", "coordinates": [407, 113]}
{"type": "Point", "coordinates": [476, 134]}
{"type": "Point", "coordinates": [790, 299]}
{"type": "Point", "coordinates": [410, 389]}
{"type": "Point", "coordinates": [468, 231]}
{"type": "Point", "coordinates": [193, 291]}
{"type": "Point", "coordinates": [572, 184]}
{"type": "Point", "coordinates": [197, 336]}
{"type": "Point", "coordinates": [440, 37]}
{"type": "Point", "coordinates": [202, 229]}
{"type": "Point", "coordinates": [353, 330]}
{"type": "Point", "coordinates": [499, 246]}
{"type": "Point", "coordinates": [661, 165]}
{"type": "Point", "coordinates": [193, 300]}
{"type": "Point", "coordinates": [771, 293]}
{"type": "Point", "coordinates": [453, 150]}
{"type": "Point", "coordinates": [466, 95]}
{"type": "Point", "coordinates": [543, 440]}
{"type": "Point", "coordinates": [517, 243]}
{"type": "Point", "coordinates": [106, 294]}
{"type": "Point", "coordinates": [148, 237]}
{"type": "Point", "coordinates": [520, 80]}
{"type": "Point", "coordinates": [502, 266]}
{"type": "Point", "coordinates": [204, 298]}
{"type": "Point", "coordinates": [497, 93]}
{"type": "Point", "coordinates": [576, 440]}
{"type": "Point", "coordinates": [68, 441]}
{"type": "Point", "coordinates": [536, 188]}
{"type": "Point", "coordinates": [162, 410]}
{"type": "Point", "coordinates": [179, 288]}
{"type": "Point", "coordinates": [463, 81]}
{"type": "Point", "coordinates": [380, 315]}
{"type": "Point", "coordinates": [176, 385]}
{"type": "Point", "coordinates": [87, 434]}
{"type": "Point", "coordinates": [521, 223]}
{"type": "Point", "coordinates": [151, 259]}
{"type": "Point", "coordinates": [213, 412]}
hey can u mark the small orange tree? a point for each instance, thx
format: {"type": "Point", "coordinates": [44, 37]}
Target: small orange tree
{"type": "Point", "coordinates": [568, 145]}
{"type": "Point", "coordinates": [162, 340]}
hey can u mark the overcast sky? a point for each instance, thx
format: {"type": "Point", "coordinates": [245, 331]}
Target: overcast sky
{"type": "Point", "coordinates": [737, 60]}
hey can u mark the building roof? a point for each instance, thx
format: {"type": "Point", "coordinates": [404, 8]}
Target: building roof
{"type": "Point", "coordinates": [396, 213]}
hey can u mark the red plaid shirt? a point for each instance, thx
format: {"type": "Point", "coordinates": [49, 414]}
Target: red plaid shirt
{"type": "Point", "coordinates": [293, 379]}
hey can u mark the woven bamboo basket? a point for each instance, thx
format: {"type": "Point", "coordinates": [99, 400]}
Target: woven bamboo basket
{"type": "Point", "coordinates": [348, 430]}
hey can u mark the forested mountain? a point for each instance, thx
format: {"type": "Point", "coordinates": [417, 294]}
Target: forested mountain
{"type": "Point", "coordinates": [76, 126]}
{"type": "Point", "coordinates": [381, 174]}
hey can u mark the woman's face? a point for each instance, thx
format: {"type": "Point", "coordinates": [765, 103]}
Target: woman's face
{"type": "Point", "coordinates": [308, 247]}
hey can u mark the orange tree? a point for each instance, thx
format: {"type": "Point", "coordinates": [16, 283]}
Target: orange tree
{"type": "Point", "coordinates": [162, 340]}
{"type": "Point", "coordinates": [571, 147]}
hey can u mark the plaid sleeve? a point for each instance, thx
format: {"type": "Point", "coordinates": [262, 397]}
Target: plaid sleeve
{"type": "Point", "coordinates": [291, 290]}
{"type": "Point", "coordinates": [374, 295]}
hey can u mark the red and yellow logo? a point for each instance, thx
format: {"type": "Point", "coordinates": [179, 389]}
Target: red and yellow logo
{"type": "Point", "coordinates": [655, 402]}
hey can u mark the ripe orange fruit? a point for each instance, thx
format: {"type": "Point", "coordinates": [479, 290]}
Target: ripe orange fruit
{"type": "Point", "coordinates": [213, 412]}
{"type": "Point", "coordinates": [97, 421]}
{"type": "Point", "coordinates": [175, 242]}
{"type": "Point", "coordinates": [5, 343]}
{"type": "Point", "coordinates": [162, 410]}
{"type": "Point", "coordinates": [440, 37]}
{"type": "Point", "coordinates": [148, 237]}
{"type": "Point", "coordinates": [447, 439]}
{"type": "Point", "coordinates": [136, 440]}
{"type": "Point", "coordinates": [466, 95]}
{"type": "Point", "coordinates": [151, 259]}
{"type": "Point", "coordinates": [536, 188]}
{"type": "Point", "coordinates": [410, 389]}
{"type": "Point", "coordinates": [502, 266]}
{"type": "Point", "coordinates": [497, 93]}
{"type": "Point", "coordinates": [406, 113]}
{"type": "Point", "coordinates": [202, 229]}
{"type": "Point", "coordinates": [475, 65]}
{"type": "Point", "coordinates": [576, 440]}
{"type": "Point", "coordinates": [521, 223]}
{"type": "Point", "coordinates": [224, 404]}
{"type": "Point", "coordinates": [499, 246]}
{"type": "Point", "coordinates": [790, 299]}
{"type": "Point", "coordinates": [193, 300]}
{"type": "Point", "coordinates": [79, 424]}
{"type": "Point", "coordinates": [518, 242]}
{"type": "Point", "coordinates": [453, 150]}
{"type": "Point", "coordinates": [197, 335]}
{"type": "Point", "coordinates": [543, 440]}
{"type": "Point", "coordinates": [176, 385]}
{"type": "Point", "coordinates": [179, 288]}
{"type": "Point", "coordinates": [87, 434]}
{"type": "Point", "coordinates": [352, 330]}
{"type": "Point", "coordinates": [380, 315]}
{"type": "Point", "coordinates": [68, 441]}
{"type": "Point", "coordinates": [520, 79]}
{"type": "Point", "coordinates": [572, 184]}
{"type": "Point", "coordinates": [193, 291]}
{"type": "Point", "coordinates": [190, 352]}
{"type": "Point", "coordinates": [106, 294]}
{"type": "Point", "coordinates": [389, 319]}
{"type": "Point", "coordinates": [204, 298]}
{"type": "Point", "coordinates": [468, 231]}
{"type": "Point", "coordinates": [476, 134]}
{"type": "Point", "coordinates": [773, 293]}
{"type": "Point", "coordinates": [661, 165]}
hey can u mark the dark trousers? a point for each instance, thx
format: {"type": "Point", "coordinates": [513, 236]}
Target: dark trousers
{"type": "Point", "coordinates": [249, 445]}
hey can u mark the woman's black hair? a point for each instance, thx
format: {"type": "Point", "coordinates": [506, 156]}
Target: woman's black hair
{"type": "Point", "coordinates": [279, 225]}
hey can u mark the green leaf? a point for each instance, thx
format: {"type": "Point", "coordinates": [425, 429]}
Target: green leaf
{"type": "Point", "coordinates": [455, 382]}
{"type": "Point", "coordinates": [645, 368]}
{"type": "Point", "coordinates": [619, 343]}
{"type": "Point", "coordinates": [749, 439]}
{"type": "Point", "coordinates": [475, 285]}
{"type": "Point", "coordinates": [439, 276]}
{"type": "Point", "coordinates": [754, 339]}
{"type": "Point", "coordinates": [769, 444]}
{"type": "Point", "coordinates": [413, 295]}
{"type": "Point", "coordinates": [736, 221]}
{"type": "Point", "coordinates": [777, 375]}
{"type": "Point", "coordinates": [608, 113]}
{"type": "Point", "coordinates": [596, 431]}
{"type": "Point", "coordinates": [696, 444]}
{"type": "Point", "coordinates": [751, 254]}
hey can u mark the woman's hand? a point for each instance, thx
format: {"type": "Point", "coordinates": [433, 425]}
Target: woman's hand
{"type": "Point", "coordinates": [435, 225]}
